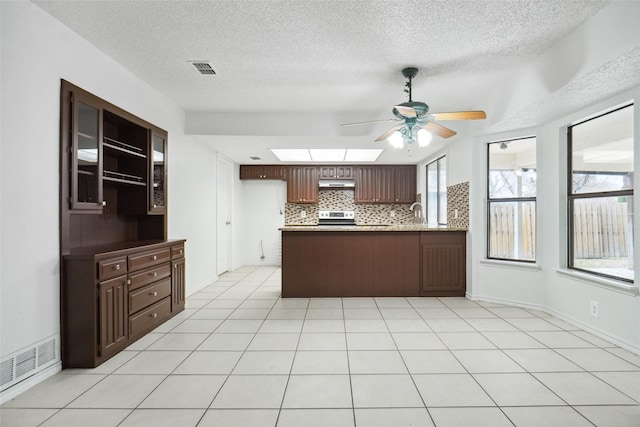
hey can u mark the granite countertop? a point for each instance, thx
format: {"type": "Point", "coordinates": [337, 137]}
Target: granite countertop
{"type": "Point", "coordinates": [406, 227]}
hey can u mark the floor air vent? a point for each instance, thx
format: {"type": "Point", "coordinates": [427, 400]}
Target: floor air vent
{"type": "Point", "coordinates": [27, 362]}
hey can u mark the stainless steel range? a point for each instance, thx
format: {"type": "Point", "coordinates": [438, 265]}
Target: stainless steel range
{"type": "Point", "coordinates": [336, 218]}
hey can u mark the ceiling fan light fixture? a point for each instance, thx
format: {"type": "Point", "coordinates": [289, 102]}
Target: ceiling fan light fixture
{"type": "Point", "coordinates": [396, 140]}
{"type": "Point", "coordinates": [424, 138]}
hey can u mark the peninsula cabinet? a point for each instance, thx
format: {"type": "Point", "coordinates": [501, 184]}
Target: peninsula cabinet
{"type": "Point", "coordinates": [112, 295]}
{"type": "Point", "coordinates": [443, 260]}
{"type": "Point", "coordinates": [302, 184]}
{"type": "Point", "coordinates": [373, 262]}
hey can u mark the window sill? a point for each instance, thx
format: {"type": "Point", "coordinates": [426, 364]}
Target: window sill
{"type": "Point", "coordinates": [518, 265]}
{"type": "Point", "coordinates": [602, 282]}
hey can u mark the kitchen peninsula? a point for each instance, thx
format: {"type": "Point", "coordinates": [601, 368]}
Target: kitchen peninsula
{"type": "Point", "coordinates": [373, 261]}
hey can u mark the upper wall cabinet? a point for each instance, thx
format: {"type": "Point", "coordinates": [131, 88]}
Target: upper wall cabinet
{"type": "Point", "coordinates": [263, 172]}
{"type": "Point", "coordinates": [336, 172]}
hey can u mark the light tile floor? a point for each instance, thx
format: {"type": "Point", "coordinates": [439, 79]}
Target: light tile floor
{"type": "Point", "coordinates": [239, 355]}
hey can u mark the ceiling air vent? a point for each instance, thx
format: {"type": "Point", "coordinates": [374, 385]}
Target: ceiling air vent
{"type": "Point", "coordinates": [203, 67]}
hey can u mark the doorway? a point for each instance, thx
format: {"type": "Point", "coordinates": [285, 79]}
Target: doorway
{"type": "Point", "coordinates": [223, 216]}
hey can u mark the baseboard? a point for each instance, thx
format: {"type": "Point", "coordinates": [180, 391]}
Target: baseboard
{"type": "Point", "coordinates": [29, 382]}
{"type": "Point", "coordinates": [600, 334]}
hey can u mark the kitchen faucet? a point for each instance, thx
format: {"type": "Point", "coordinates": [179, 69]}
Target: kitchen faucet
{"type": "Point", "coordinates": [413, 205]}
{"type": "Point", "coordinates": [417, 214]}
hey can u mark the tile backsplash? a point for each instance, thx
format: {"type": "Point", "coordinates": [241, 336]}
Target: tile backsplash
{"type": "Point", "coordinates": [458, 198]}
{"type": "Point", "coordinates": [344, 199]}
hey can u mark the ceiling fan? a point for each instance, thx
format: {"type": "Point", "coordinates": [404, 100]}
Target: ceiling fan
{"type": "Point", "coordinates": [414, 119]}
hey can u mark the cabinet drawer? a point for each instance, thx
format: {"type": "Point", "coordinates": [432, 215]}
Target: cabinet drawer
{"type": "Point", "coordinates": [112, 268]}
{"type": "Point", "coordinates": [147, 259]}
{"type": "Point", "coordinates": [149, 318]}
{"type": "Point", "coordinates": [177, 251]}
{"type": "Point", "coordinates": [144, 277]}
{"type": "Point", "coordinates": [148, 295]}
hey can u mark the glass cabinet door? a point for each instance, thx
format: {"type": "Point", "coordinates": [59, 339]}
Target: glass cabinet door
{"type": "Point", "coordinates": [86, 183]}
{"type": "Point", "coordinates": [157, 194]}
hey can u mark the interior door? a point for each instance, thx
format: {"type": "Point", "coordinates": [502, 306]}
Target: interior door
{"type": "Point", "coordinates": [223, 217]}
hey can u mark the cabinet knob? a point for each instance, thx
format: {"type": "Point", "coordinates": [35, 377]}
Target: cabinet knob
{"type": "Point", "coordinates": [153, 294]}
{"type": "Point", "coordinates": [116, 267]}
{"type": "Point", "coordinates": [180, 250]}
{"type": "Point", "coordinates": [175, 266]}
{"type": "Point", "coordinates": [129, 282]}
{"type": "Point", "coordinates": [104, 203]}
{"type": "Point", "coordinates": [154, 315]}
{"type": "Point", "coordinates": [154, 257]}
{"type": "Point", "coordinates": [155, 206]}
{"type": "Point", "coordinates": [154, 274]}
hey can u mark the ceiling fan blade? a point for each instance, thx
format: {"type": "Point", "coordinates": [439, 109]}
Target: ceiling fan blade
{"type": "Point", "coordinates": [460, 115]}
{"type": "Point", "coordinates": [367, 122]}
{"type": "Point", "coordinates": [388, 133]}
{"type": "Point", "coordinates": [406, 111]}
{"type": "Point", "coordinates": [439, 130]}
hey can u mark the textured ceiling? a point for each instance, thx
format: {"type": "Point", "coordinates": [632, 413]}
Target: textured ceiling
{"type": "Point", "coordinates": [339, 59]}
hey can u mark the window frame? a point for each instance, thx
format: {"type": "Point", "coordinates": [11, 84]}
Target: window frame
{"type": "Point", "coordinates": [571, 197]}
{"type": "Point", "coordinates": [438, 194]}
{"type": "Point", "coordinates": [509, 200]}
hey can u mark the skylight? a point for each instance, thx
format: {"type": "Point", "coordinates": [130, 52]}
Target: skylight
{"type": "Point", "coordinates": [327, 154]}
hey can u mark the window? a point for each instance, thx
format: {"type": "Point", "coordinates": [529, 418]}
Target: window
{"type": "Point", "coordinates": [600, 189]}
{"type": "Point", "coordinates": [437, 191]}
{"type": "Point", "coordinates": [511, 200]}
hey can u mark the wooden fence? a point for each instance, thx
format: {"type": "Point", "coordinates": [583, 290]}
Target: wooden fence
{"type": "Point", "coordinates": [600, 230]}
{"type": "Point", "coordinates": [503, 226]}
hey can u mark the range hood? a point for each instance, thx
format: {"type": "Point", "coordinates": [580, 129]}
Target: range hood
{"type": "Point", "coordinates": [336, 183]}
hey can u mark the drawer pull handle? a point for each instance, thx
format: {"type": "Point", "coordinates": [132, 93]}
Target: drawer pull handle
{"type": "Point", "coordinates": [154, 315]}
{"type": "Point", "coordinates": [153, 294]}
{"type": "Point", "coordinates": [116, 267]}
{"type": "Point", "coordinates": [154, 257]}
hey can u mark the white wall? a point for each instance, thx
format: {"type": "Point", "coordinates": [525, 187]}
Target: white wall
{"type": "Point", "coordinates": [37, 51]}
{"type": "Point", "coordinates": [261, 214]}
{"type": "Point", "coordinates": [565, 295]}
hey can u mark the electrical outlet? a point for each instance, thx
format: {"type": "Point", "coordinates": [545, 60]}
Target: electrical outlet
{"type": "Point", "coordinates": [393, 214]}
{"type": "Point", "coordinates": [303, 214]}
{"type": "Point", "coordinates": [455, 213]}
{"type": "Point", "coordinates": [595, 309]}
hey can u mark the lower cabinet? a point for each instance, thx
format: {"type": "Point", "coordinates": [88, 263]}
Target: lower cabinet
{"type": "Point", "coordinates": [443, 261]}
{"type": "Point", "coordinates": [103, 314]}
{"type": "Point", "coordinates": [113, 316]}
{"type": "Point", "coordinates": [178, 297]}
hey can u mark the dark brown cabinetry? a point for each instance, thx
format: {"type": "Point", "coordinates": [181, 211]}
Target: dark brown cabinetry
{"type": "Point", "coordinates": [113, 316]}
{"type": "Point", "coordinates": [336, 172]}
{"type": "Point", "coordinates": [443, 264]}
{"type": "Point", "coordinates": [373, 263]}
{"type": "Point", "coordinates": [178, 296]}
{"type": "Point", "coordinates": [375, 184]}
{"type": "Point", "coordinates": [302, 184]}
{"type": "Point", "coordinates": [117, 279]}
{"type": "Point", "coordinates": [157, 172]}
{"type": "Point", "coordinates": [405, 184]}
{"type": "Point", "coordinates": [263, 172]}
{"type": "Point", "coordinates": [385, 184]}
{"type": "Point", "coordinates": [112, 295]}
